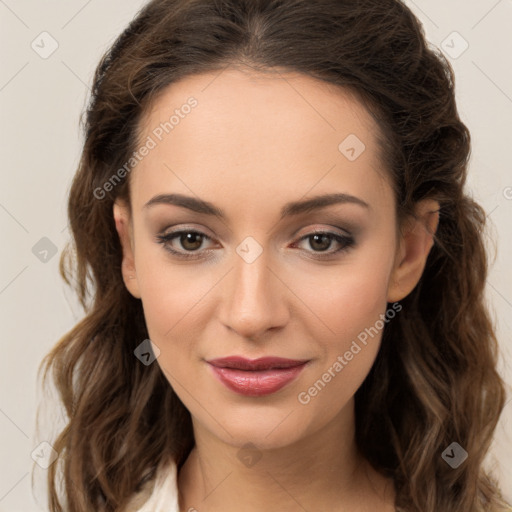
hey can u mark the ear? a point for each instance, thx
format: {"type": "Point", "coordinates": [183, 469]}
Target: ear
{"type": "Point", "coordinates": [124, 227]}
{"type": "Point", "coordinates": [417, 238]}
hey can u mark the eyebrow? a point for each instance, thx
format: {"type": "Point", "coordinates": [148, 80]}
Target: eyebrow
{"type": "Point", "coordinates": [289, 209]}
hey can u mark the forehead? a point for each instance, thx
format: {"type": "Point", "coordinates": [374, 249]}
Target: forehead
{"type": "Point", "coordinates": [257, 133]}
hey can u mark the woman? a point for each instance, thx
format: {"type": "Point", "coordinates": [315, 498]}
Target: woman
{"type": "Point", "coordinates": [282, 273]}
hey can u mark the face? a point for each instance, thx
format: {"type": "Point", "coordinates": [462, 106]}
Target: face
{"type": "Point", "coordinates": [236, 263]}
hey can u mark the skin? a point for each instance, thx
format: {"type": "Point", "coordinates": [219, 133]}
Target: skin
{"type": "Point", "coordinates": [253, 143]}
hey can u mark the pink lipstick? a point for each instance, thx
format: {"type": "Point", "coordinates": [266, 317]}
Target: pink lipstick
{"type": "Point", "coordinates": [256, 377]}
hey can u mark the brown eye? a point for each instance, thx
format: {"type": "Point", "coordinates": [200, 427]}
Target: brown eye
{"type": "Point", "coordinates": [191, 240]}
{"type": "Point", "coordinates": [320, 242]}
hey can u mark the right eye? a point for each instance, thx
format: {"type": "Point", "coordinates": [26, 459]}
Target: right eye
{"type": "Point", "coordinates": [189, 239]}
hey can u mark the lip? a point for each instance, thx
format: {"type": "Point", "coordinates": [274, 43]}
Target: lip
{"type": "Point", "coordinates": [256, 377]}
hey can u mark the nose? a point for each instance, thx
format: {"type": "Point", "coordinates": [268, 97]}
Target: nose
{"type": "Point", "coordinates": [255, 299]}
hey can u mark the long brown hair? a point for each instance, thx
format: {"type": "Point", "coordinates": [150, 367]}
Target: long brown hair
{"type": "Point", "coordinates": [434, 381]}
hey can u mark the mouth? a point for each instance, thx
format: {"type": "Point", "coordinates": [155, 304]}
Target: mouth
{"type": "Point", "coordinates": [257, 377]}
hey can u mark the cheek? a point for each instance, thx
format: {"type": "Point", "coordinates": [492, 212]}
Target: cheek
{"type": "Point", "coordinates": [169, 290]}
{"type": "Point", "coordinates": [346, 355]}
{"type": "Point", "coordinates": [352, 306]}
{"type": "Point", "coordinates": [163, 299]}
{"type": "Point", "coordinates": [171, 303]}
{"type": "Point", "coordinates": [171, 298]}
{"type": "Point", "coordinates": [353, 302]}
{"type": "Point", "coordinates": [350, 297]}
{"type": "Point", "coordinates": [174, 297]}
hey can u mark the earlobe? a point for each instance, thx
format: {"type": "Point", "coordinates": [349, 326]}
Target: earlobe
{"type": "Point", "coordinates": [124, 229]}
{"type": "Point", "coordinates": [414, 247]}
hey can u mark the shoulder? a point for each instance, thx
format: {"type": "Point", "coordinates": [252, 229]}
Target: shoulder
{"type": "Point", "coordinates": [139, 499]}
{"type": "Point", "coordinates": [158, 494]}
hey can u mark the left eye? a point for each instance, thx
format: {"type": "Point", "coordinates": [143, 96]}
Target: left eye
{"type": "Point", "coordinates": [323, 240]}
{"type": "Point", "coordinates": [191, 241]}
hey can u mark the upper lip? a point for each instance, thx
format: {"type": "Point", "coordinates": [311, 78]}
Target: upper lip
{"type": "Point", "coordinates": [262, 363]}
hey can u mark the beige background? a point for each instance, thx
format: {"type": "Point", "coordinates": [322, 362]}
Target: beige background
{"type": "Point", "coordinates": [41, 100]}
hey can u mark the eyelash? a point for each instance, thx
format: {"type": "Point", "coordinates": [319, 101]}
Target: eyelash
{"type": "Point", "coordinates": [346, 242]}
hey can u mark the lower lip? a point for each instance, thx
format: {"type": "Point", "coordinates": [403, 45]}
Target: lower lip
{"type": "Point", "coordinates": [256, 383]}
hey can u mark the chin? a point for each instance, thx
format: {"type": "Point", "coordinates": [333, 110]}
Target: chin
{"type": "Point", "coordinates": [266, 427]}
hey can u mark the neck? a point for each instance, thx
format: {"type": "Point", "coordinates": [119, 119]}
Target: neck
{"type": "Point", "coordinates": [323, 470]}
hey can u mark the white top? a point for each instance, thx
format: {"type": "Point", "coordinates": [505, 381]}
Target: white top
{"type": "Point", "coordinates": [164, 497]}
